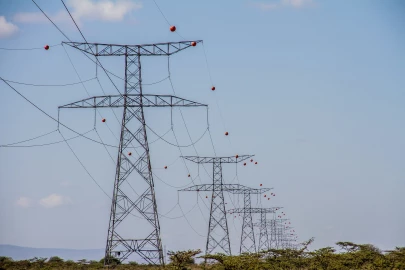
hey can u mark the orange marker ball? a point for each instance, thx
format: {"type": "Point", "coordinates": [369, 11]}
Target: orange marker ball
{"type": "Point", "coordinates": [193, 43]}
{"type": "Point", "coordinates": [172, 28]}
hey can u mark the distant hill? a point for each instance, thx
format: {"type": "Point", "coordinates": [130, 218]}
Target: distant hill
{"type": "Point", "coordinates": [22, 253]}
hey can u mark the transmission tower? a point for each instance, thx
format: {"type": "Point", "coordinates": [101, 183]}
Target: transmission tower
{"type": "Point", "coordinates": [247, 242]}
{"type": "Point", "coordinates": [218, 234]}
{"type": "Point", "coordinates": [249, 227]}
{"type": "Point", "coordinates": [277, 231]}
{"type": "Point", "coordinates": [149, 245]}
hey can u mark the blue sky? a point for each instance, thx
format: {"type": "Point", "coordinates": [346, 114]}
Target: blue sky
{"type": "Point", "coordinates": [315, 89]}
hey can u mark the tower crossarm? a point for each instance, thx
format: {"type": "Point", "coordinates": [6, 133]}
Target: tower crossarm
{"type": "Point", "coordinates": [234, 188]}
{"type": "Point", "coordinates": [132, 100]}
{"type": "Point", "coordinates": [232, 159]}
{"type": "Point", "coordinates": [250, 191]}
{"type": "Point", "coordinates": [253, 210]}
{"type": "Point", "coordinates": [156, 49]}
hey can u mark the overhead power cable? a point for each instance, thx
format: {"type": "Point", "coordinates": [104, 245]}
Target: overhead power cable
{"type": "Point", "coordinates": [52, 85]}
{"type": "Point", "coordinates": [27, 49]}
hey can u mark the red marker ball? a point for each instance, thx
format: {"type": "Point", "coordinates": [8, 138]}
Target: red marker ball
{"type": "Point", "coordinates": [172, 28]}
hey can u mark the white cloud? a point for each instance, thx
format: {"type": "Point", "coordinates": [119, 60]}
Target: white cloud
{"type": "Point", "coordinates": [54, 200]}
{"type": "Point", "coordinates": [24, 202]}
{"type": "Point", "coordinates": [105, 10]}
{"type": "Point", "coordinates": [284, 3]}
{"type": "Point", "coordinates": [6, 28]}
{"type": "Point", "coordinates": [297, 3]}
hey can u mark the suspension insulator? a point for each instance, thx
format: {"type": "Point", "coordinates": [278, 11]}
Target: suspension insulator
{"type": "Point", "coordinates": [46, 47]}
{"type": "Point", "coordinates": [193, 43]}
{"type": "Point", "coordinates": [172, 28]}
{"type": "Point", "coordinates": [129, 154]}
{"type": "Point", "coordinates": [213, 88]}
{"type": "Point", "coordinates": [103, 120]}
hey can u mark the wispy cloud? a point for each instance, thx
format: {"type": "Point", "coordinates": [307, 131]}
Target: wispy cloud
{"type": "Point", "coordinates": [54, 200]}
{"type": "Point", "coordinates": [7, 29]}
{"type": "Point", "coordinates": [275, 4]}
{"type": "Point", "coordinates": [81, 10]}
{"type": "Point", "coordinates": [24, 202]}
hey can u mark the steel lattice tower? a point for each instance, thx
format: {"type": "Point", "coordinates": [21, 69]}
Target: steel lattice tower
{"type": "Point", "coordinates": [218, 234]}
{"type": "Point", "coordinates": [133, 131]}
{"type": "Point", "coordinates": [249, 227]}
{"type": "Point", "coordinates": [247, 241]}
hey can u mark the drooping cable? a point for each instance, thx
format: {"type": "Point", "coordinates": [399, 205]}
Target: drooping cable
{"type": "Point", "coordinates": [50, 85]}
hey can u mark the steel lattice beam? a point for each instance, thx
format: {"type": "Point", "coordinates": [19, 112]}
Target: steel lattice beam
{"type": "Point", "coordinates": [156, 49]}
{"type": "Point", "coordinates": [133, 131]}
{"type": "Point", "coordinates": [132, 100]}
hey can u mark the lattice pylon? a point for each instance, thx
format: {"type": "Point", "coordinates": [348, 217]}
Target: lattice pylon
{"type": "Point", "coordinates": [133, 136]}
{"type": "Point", "coordinates": [247, 241]}
{"type": "Point", "coordinates": [264, 243]}
{"type": "Point", "coordinates": [218, 224]}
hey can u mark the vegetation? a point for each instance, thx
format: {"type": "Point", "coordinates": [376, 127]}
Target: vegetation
{"type": "Point", "coordinates": [349, 256]}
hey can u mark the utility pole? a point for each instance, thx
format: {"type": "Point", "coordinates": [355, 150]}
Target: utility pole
{"type": "Point", "coordinates": [218, 234]}
{"type": "Point", "coordinates": [120, 242]}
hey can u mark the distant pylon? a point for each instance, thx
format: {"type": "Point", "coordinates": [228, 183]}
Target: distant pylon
{"type": "Point", "coordinates": [218, 233]}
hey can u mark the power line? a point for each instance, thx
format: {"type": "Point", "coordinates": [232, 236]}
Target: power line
{"type": "Point", "coordinates": [27, 49]}
{"type": "Point", "coordinates": [52, 85]}
{"type": "Point", "coordinates": [45, 144]}
{"type": "Point", "coordinates": [27, 140]}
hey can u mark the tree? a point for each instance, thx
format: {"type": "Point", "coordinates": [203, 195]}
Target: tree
{"type": "Point", "coordinates": [180, 259]}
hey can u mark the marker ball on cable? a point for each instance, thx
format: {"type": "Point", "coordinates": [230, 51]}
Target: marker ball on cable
{"type": "Point", "coordinates": [172, 28]}
{"type": "Point", "coordinates": [165, 167]}
{"type": "Point", "coordinates": [46, 47]}
{"type": "Point", "coordinates": [237, 156]}
{"type": "Point", "coordinates": [193, 43]}
{"type": "Point", "coordinates": [189, 175]}
{"type": "Point", "coordinates": [103, 120]}
{"type": "Point", "coordinates": [129, 154]}
{"type": "Point", "coordinates": [244, 164]}
{"type": "Point", "coordinates": [226, 133]}
{"type": "Point", "coordinates": [256, 162]}
{"type": "Point", "coordinates": [213, 88]}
